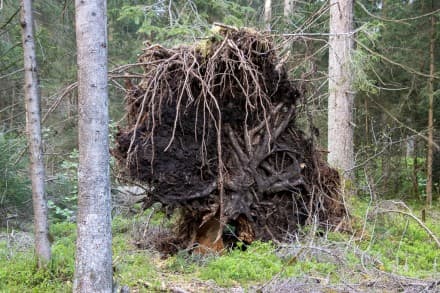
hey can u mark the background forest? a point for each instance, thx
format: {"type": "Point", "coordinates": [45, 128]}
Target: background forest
{"type": "Point", "coordinates": [387, 243]}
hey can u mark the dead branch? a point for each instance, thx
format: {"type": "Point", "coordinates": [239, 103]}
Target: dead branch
{"type": "Point", "coordinates": [418, 221]}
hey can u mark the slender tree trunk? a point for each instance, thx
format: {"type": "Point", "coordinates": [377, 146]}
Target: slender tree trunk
{"type": "Point", "coordinates": [267, 13]}
{"type": "Point", "coordinates": [33, 129]}
{"type": "Point", "coordinates": [384, 8]}
{"type": "Point", "coordinates": [93, 266]}
{"type": "Point", "coordinates": [288, 8]}
{"type": "Point", "coordinates": [415, 181]}
{"type": "Point", "coordinates": [11, 112]}
{"type": "Point", "coordinates": [341, 95]}
{"type": "Point", "coordinates": [430, 113]}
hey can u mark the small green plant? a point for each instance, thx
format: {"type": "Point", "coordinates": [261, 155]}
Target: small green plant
{"type": "Point", "coordinates": [187, 263]}
{"type": "Point", "coordinates": [132, 267]}
{"type": "Point", "coordinates": [14, 184]}
{"type": "Point", "coordinates": [21, 273]}
{"type": "Point", "coordinates": [404, 247]}
{"type": "Point", "coordinates": [258, 263]}
{"type": "Point", "coordinates": [121, 225]}
{"type": "Point", "coordinates": [64, 193]}
{"type": "Point", "coordinates": [313, 267]}
{"type": "Point", "coordinates": [136, 268]}
{"type": "Point", "coordinates": [397, 241]}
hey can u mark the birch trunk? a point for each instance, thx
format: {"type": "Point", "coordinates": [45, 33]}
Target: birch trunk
{"type": "Point", "coordinates": [341, 95]}
{"type": "Point", "coordinates": [93, 264]}
{"type": "Point", "coordinates": [430, 113]}
{"type": "Point", "coordinates": [33, 129]}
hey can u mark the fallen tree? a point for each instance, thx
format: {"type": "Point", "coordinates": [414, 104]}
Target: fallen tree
{"type": "Point", "coordinates": [211, 128]}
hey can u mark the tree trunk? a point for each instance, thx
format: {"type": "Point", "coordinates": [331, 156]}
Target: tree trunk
{"type": "Point", "coordinates": [288, 8]}
{"type": "Point", "coordinates": [430, 113]}
{"type": "Point", "coordinates": [93, 266]}
{"type": "Point", "coordinates": [341, 95]}
{"type": "Point", "coordinates": [415, 181]}
{"type": "Point", "coordinates": [267, 13]}
{"type": "Point", "coordinates": [33, 129]}
{"type": "Point", "coordinates": [384, 8]}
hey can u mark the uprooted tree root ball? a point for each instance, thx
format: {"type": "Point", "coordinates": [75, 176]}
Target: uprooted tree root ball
{"type": "Point", "coordinates": [211, 129]}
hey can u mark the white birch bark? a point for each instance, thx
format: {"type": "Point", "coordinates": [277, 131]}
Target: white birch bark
{"type": "Point", "coordinates": [93, 264]}
{"type": "Point", "coordinates": [33, 129]}
{"type": "Point", "coordinates": [341, 95]}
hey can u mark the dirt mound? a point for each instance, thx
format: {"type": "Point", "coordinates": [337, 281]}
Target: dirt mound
{"type": "Point", "coordinates": [211, 128]}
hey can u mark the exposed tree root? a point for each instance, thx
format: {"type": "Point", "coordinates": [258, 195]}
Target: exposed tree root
{"type": "Point", "coordinates": [212, 129]}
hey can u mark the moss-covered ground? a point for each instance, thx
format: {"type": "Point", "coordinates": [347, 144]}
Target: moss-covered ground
{"type": "Point", "coordinates": [380, 245]}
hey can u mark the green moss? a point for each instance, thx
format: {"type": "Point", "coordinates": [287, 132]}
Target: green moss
{"type": "Point", "coordinates": [21, 273]}
{"type": "Point", "coordinates": [397, 242]}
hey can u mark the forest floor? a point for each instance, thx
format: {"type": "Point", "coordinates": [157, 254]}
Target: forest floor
{"type": "Point", "coordinates": [388, 250]}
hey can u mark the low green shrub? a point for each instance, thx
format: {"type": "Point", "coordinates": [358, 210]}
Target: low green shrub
{"type": "Point", "coordinates": [15, 193]}
{"type": "Point", "coordinates": [258, 263]}
{"type": "Point", "coordinates": [405, 247]}
{"type": "Point", "coordinates": [63, 192]}
{"type": "Point", "coordinates": [135, 268]}
{"type": "Point", "coordinates": [22, 275]}
{"type": "Point", "coordinates": [390, 242]}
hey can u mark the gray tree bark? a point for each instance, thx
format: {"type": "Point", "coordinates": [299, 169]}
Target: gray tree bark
{"type": "Point", "coordinates": [267, 13]}
{"type": "Point", "coordinates": [341, 95]}
{"type": "Point", "coordinates": [430, 111]}
{"type": "Point", "coordinates": [33, 129]}
{"type": "Point", "coordinates": [288, 8]}
{"type": "Point", "coordinates": [93, 264]}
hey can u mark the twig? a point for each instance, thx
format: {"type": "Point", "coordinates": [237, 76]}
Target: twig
{"type": "Point", "coordinates": [411, 215]}
{"type": "Point", "coordinates": [402, 20]}
{"type": "Point", "coordinates": [407, 127]}
{"type": "Point", "coordinates": [11, 73]}
{"type": "Point", "coordinates": [148, 222]}
{"type": "Point", "coordinates": [403, 66]}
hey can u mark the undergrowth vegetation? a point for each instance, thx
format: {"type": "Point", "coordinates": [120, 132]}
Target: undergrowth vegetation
{"type": "Point", "coordinates": [402, 245]}
{"type": "Point", "coordinates": [378, 243]}
{"type": "Point", "coordinates": [14, 184]}
{"type": "Point", "coordinates": [256, 264]}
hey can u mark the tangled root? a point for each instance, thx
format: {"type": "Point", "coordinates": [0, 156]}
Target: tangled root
{"type": "Point", "coordinates": [211, 128]}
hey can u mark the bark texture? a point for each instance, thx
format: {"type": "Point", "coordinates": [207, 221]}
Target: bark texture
{"type": "Point", "coordinates": [267, 13]}
{"type": "Point", "coordinates": [33, 129]}
{"type": "Point", "coordinates": [93, 266]}
{"type": "Point", "coordinates": [288, 8]}
{"type": "Point", "coordinates": [341, 95]}
{"type": "Point", "coordinates": [430, 112]}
